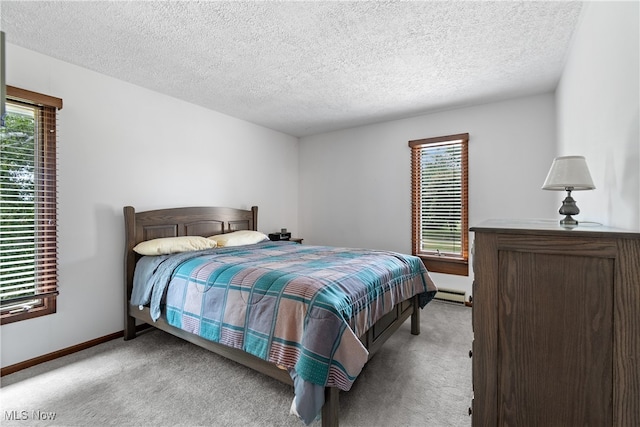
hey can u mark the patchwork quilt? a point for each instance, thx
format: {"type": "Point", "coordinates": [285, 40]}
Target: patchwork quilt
{"type": "Point", "coordinates": [301, 307]}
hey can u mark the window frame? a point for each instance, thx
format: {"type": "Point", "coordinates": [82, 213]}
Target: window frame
{"type": "Point", "coordinates": [440, 263]}
{"type": "Point", "coordinates": [46, 224]}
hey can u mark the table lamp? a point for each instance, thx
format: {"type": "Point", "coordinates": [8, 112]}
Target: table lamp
{"type": "Point", "coordinates": [569, 173]}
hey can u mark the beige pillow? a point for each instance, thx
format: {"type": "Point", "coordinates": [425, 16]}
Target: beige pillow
{"type": "Point", "coordinates": [238, 238]}
{"type": "Point", "coordinates": [172, 245]}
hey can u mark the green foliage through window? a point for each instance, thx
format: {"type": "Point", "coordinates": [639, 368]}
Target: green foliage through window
{"type": "Point", "coordinates": [28, 206]}
{"type": "Point", "coordinates": [17, 203]}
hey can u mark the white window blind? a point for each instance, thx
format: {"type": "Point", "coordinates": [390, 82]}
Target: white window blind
{"type": "Point", "coordinates": [440, 198]}
{"type": "Point", "coordinates": [28, 210]}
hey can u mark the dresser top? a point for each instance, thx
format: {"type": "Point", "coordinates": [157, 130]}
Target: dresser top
{"type": "Point", "coordinates": [552, 227]}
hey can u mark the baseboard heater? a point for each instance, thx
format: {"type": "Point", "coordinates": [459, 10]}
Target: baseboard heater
{"type": "Point", "coordinates": [451, 295]}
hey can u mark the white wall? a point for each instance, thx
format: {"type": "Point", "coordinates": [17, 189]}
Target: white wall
{"type": "Point", "coordinates": [355, 184]}
{"type": "Point", "coordinates": [124, 145]}
{"type": "Point", "coordinates": [598, 113]}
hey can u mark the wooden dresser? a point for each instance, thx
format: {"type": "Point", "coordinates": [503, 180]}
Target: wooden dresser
{"type": "Point", "coordinates": [556, 322]}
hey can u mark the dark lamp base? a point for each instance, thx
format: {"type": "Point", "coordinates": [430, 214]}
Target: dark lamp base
{"type": "Point", "coordinates": [568, 208]}
{"type": "Point", "coordinates": [568, 221]}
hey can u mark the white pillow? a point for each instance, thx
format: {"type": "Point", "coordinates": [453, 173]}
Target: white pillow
{"type": "Point", "coordinates": [172, 245]}
{"type": "Point", "coordinates": [239, 238]}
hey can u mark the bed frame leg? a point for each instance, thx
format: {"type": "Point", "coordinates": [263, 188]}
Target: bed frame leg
{"type": "Point", "coordinates": [129, 327]}
{"type": "Point", "coordinates": [331, 408]}
{"type": "Point", "coordinates": [415, 317]}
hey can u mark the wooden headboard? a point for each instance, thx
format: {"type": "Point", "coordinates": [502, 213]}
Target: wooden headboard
{"type": "Point", "coordinates": [172, 222]}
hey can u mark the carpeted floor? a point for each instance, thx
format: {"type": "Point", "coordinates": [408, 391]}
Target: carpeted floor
{"type": "Point", "coordinates": [159, 380]}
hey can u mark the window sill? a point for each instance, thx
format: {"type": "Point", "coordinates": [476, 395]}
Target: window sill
{"type": "Point", "coordinates": [439, 264]}
{"type": "Point", "coordinates": [47, 307]}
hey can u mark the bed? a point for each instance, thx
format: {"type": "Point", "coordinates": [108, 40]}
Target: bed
{"type": "Point", "coordinates": [317, 364]}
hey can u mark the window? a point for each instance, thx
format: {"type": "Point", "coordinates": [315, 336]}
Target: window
{"type": "Point", "coordinates": [28, 206]}
{"type": "Point", "coordinates": [439, 203]}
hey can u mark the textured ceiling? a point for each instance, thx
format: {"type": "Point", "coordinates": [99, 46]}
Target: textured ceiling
{"type": "Point", "coordinates": [309, 67]}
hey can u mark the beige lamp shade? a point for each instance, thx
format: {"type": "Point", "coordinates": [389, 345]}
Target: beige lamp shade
{"type": "Point", "coordinates": [569, 173]}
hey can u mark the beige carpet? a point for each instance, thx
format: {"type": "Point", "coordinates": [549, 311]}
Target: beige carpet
{"type": "Point", "coordinates": [159, 380]}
